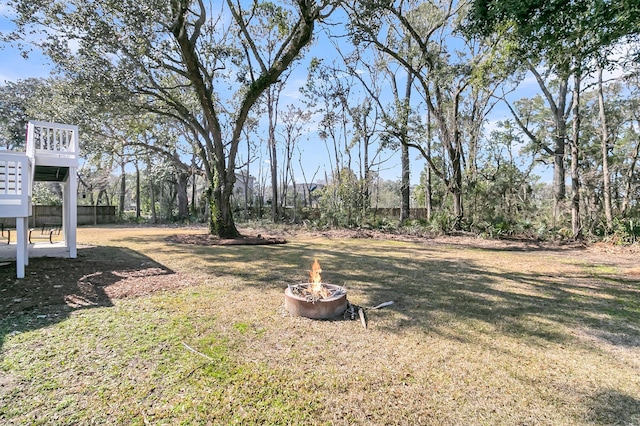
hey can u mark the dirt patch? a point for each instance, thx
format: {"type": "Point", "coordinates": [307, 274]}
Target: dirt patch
{"type": "Point", "coordinates": [212, 240]}
{"type": "Point", "coordinates": [96, 277]}
{"type": "Point", "coordinates": [635, 272]}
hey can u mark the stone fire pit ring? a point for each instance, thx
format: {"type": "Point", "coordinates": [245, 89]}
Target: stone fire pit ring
{"type": "Point", "coordinates": [324, 308]}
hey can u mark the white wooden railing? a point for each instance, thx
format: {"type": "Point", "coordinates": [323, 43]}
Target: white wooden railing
{"type": "Point", "coordinates": [15, 184]}
{"type": "Point", "coordinates": [52, 144]}
{"type": "Point", "coordinates": [48, 144]}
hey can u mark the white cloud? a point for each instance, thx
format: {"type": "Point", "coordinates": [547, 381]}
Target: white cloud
{"type": "Point", "coordinates": [490, 125]}
{"type": "Point", "coordinates": [4, 78]}
{"type": "Point", "coordinates": [6, 11]}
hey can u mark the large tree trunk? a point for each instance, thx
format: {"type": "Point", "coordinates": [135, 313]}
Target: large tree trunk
{"type": "Point", "coordinates": [123, 188]}
{"type": "Point", "coordinates": [137, 190]}
{"type": "Point", "coordinates": [246, 181]}
{"type": "Point", "coordinates": [366, 196]}
{"type": "Point", "coordinates": [273, 158]}
{"type": "Point", "coordinates": [456, 190]}
{"type": "Point", "coordinates": [404, 158]}
{"type": "Point", "coordinates": [575, 152]}
{"type": "Point", "coordinates": [194, 181]}
{"type": "Point", "coordinates": [454, 146]}
{"type": "Point", "coordinates": [194, 206]}
{"type": "Point", "coordinates": [428, 190]}
{"type": "Point", "coordinates": [604, 142]}
{"type": "Point", "coordinates": [559, 176]}
{"type": "Point", "coordinates": [152, 193]}
{"type": "Point", "coordinates": [221, 221]}
{"type": "Point", "coordinates": [182, 184]}
{"type": "Point", "coordinates": [405, 184]}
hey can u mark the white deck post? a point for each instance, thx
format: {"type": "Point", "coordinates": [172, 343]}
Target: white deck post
{"type": "Point", "coordinates": [73, 212]}
{"type": "Point", "coordinates": [21, 249]}
{"type": "Point", "coordinates": [70, 212]}
{"type": "Point", "coordinates": [25, 230]}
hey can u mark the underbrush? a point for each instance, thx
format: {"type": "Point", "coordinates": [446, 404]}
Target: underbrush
{"type": "Point", "coordinates": [624, 233]}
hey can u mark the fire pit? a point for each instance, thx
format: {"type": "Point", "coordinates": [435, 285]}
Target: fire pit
{"type": "Point", "coordinates": [315, 299]}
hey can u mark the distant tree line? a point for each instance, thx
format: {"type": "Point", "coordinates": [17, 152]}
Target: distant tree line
{"type": "Point", "coordinates": [177, 102]}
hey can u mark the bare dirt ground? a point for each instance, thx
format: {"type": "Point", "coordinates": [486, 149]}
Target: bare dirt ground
{"type": "Point", "coordinates": [102, 274]}
{"type": "Point", "coordinates": [211, 240]}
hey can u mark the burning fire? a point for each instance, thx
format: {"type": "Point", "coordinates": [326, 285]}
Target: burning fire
{"type": "Point", "coordinates": [315, 290]}
{"type": "Point", "coordinates": [315, 281]}
{"type": "Point", "coordinates": [314, 273]}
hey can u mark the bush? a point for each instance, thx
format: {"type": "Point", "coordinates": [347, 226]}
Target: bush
{"type": "Point", "coordinates": [129, 216]}
{"type": "Point", "coordinates": [382, 224]}
{"type": "Point", "coordinates": [441, 223]}
{"type": "Point", "coordinates": [624, 232]}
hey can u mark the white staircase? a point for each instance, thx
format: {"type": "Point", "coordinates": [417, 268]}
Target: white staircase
{"type": "Point", "coordinates": [51, 155]}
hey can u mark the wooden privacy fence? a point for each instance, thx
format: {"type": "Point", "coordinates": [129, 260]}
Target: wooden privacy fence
{"type": "Point", "coordinates": [47, 215]}
{"type": "Point", "coordinates": [414, 213]}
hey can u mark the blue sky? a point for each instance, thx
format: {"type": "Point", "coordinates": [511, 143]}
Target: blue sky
{"type": "Point", "coordinates": [314, 157]}
{"type": "Point", "coordinates": [12, 65]}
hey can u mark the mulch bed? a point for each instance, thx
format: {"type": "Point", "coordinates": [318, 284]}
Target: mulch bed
{"type": "Point", "coordinates": [96, 277]}
{"type": "Point", "coordinates": [212, 240]}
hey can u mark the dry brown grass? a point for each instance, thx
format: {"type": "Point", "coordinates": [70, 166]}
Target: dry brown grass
{"type": "Point", "coordinates": [480, 333]}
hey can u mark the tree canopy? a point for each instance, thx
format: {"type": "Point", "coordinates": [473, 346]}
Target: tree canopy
{"type": "Point", "coordinates": [177, 86]}
{"type": "Point", "coordinates": [551, 27]}
{"type": "Point", "coordinates": [203, 64]}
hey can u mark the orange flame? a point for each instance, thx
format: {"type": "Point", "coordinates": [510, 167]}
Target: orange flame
{"type": "Point", "coordinates": [315, 280]}
{"type": "Point", "coordinates": [314, 273]}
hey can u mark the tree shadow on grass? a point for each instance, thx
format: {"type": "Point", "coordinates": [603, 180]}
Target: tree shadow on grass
{"type": "Point", "coordinates": [432, 287]}
{"type": "Point", "coordinates": [611, 407]}
{"type": "Point", "coordinates": [54, 287]}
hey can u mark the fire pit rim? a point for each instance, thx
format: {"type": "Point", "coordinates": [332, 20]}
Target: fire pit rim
{"type": "Point", "coordinates": [337, 291]}
{"type": "Point", "coordinates": [325, 308]}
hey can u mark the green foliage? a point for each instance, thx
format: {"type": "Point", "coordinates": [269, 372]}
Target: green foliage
{"type": "Point", "coordinates": [624, 232]}
{"type": "Point", "coordinates": [130, 217]}
{"type": "Point", "coordinates": [503, 200]}
{"type": "Point", "coordinates": [341, 201]}
{"type": "Point", "coordinates": [43, 195]}
{"type": "Point", "coordinates": [14, 99]}
{"type": "Point", "coordinates": [382, 224]}
{"type": "Point", "coordinates": [441, 223]}
{"type": "Point", "coordinates": [179, 60]}
{"type": "Point", "coordinates": [556, 29]}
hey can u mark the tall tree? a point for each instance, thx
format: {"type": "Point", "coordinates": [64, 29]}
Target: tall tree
{"type": "Point", "coordinates": [547, 28]}
{"type": "Point", "coordinates": [564, 37]}
{"type": "Point", "coordinates": [327, 96]}
{"type": "Point", "coordinates": [552, 141]}
{"type": "Point", "coordinates": [604, 144]}
{"type": "Point", "coordinates": [445, 71]}
{"type": "Point", "coordinates": [294, 124]}
{"type": "Point", "coordinates": [369, 114]}
{"type": "Point", "coordinates": [14, 100]}
{"type": "Point", "coordinates": [166, 51]}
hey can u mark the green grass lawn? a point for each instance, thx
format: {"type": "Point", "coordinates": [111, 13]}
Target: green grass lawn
{"type": "Point", "coordinates": [165, 333]}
